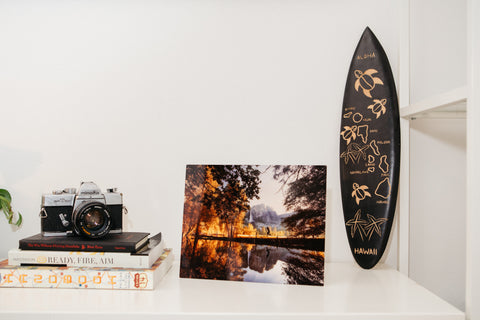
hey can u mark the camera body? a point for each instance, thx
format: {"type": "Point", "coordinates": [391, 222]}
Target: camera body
{"type": "Point", "coordinates": [87, 212]}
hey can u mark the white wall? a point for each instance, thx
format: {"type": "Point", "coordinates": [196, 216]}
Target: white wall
{"type": "Point", "coordinates": [438, 34]}
{"type": "Point", "coordinates": [126, 93]}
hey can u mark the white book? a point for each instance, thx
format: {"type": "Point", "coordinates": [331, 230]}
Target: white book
{"type": "Point", "coordinates": [84, 277]}
{"type": "Point", "coordinates": [144, 258]}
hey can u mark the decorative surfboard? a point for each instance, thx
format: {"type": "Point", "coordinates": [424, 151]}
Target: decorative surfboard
{"type": "Point", "coordinates": [369, 151]}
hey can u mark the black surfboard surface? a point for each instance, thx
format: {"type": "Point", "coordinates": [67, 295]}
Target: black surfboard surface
{"type": "Point", "coordinates": [369, 151]}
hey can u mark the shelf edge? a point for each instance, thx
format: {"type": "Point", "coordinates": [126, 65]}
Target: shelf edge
{"type": "Point", "coordinates": [434, 103]}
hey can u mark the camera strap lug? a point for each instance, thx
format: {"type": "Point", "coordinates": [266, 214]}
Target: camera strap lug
{"type": "Point", "coordinates": [43, 213]}
{"type": "Point", "coordinates": [125, 210]}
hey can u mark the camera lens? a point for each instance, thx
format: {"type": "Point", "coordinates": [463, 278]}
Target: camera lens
{"type": "Point", "coordinates": [92, 220]}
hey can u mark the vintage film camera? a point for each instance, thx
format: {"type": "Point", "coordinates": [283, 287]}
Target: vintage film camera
{"type": "Point", "coordinates": [87, 212]}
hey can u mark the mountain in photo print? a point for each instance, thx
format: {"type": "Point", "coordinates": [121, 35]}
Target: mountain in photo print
{"type": "Point", "coordinates": [254, 223]}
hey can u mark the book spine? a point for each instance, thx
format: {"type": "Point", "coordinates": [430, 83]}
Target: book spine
{"type": "Point", "coordinates": [25, 244]}
{"type": "Point", "coordinates": [77, 259]}
{"type": "Point", "coordinates": [86, 278]}
{"type": "Point", "coordinates": [164, 267]}
{"type": "Point", "coordinates": [18, 257]}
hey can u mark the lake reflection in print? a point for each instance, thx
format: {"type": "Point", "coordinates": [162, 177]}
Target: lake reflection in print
{"type": "Point", "coordinates": [230, 260]}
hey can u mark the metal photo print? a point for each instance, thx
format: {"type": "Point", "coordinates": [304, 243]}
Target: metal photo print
{"type": "Point", "coordinates": [254, 223]}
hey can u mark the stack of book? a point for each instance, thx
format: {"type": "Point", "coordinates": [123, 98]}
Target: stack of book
{"type": "Point", "coordinates": [128, 260]}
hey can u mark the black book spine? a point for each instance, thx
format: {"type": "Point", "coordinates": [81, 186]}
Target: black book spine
{"type": "Point", "coordinates": [30, 244]}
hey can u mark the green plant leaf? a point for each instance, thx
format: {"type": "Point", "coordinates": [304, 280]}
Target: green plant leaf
{"type": "Point", "coordinates": [5, 194]}
{"type": "Point", "coordinates": [19, 220]}
{"type": "Point", "coordinates": [4, 200]}
{"type": "Point", "coordinates": [5, 206]}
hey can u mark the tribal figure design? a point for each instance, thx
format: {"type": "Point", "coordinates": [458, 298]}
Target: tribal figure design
{"type": "Point", "coordinates": [366, 81]}
{"type": "Point", "coordinates": [354, 152]}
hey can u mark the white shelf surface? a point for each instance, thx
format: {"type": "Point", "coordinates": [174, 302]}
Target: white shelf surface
{"type": "Point", "coordinates": [451, 104]}
{"type": "Point", "coordinates": [349, 293]}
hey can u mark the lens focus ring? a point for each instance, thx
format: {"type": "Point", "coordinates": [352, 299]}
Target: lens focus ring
{"type": "Point", "coordinates": [92, 220]}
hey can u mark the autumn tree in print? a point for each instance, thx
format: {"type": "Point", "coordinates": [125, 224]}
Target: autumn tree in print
{"type": "Point", "coordinates": [218, 196]}
{"type": "Point", "coordinates": [200, 188]}
{"type": "Point", "coordinates": [305, 195]}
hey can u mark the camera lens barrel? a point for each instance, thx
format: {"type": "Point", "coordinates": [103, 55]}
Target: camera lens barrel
{"type": "Point", "coordinates": [92, 220]}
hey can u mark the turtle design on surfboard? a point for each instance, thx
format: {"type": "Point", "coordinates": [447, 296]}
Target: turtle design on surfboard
{"type": "Point", "coordinates": [366, 81]}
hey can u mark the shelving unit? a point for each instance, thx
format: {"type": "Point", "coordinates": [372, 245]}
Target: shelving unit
{"type": "Point", "coordinates": [457, 103]}
{"type": "Point", "coordinates": [437, 127]}
{"type": "Point", "coordinates": [350, 293]}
